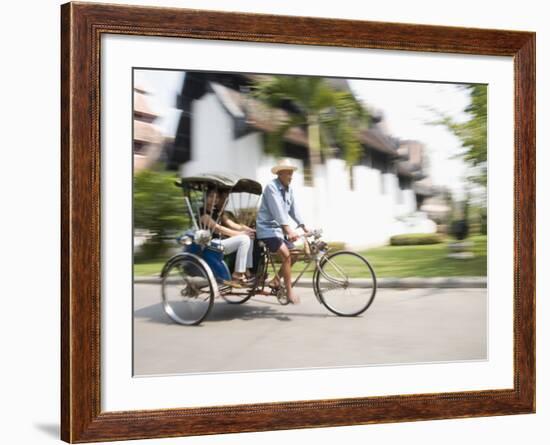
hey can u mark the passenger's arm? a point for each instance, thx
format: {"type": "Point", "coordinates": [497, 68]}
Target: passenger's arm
{"type": "Point", "coordinates": [218, 228]}
{"type": "Point", "coordinates": [241, 228]}
{"type": "Point", "coordinates": [228, 222]}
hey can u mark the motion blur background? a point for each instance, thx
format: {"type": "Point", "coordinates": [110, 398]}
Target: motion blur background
{"type": "Point", "coordinates": [397, 166]}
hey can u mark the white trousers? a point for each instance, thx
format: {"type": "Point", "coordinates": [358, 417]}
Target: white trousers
{"type": "Point", "coordinates": [243, 245]}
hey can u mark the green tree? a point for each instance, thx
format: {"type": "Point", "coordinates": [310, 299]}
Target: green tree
{"type": "Point", "coordinates": [158, 208]}
{"type": "Point", "coordinates": [472, 133]}
{"type": "Point", "coordinates": [330, 117]}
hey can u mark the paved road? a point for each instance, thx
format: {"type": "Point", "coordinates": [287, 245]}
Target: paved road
{"type": "Point", "coordinates": [401, 326]}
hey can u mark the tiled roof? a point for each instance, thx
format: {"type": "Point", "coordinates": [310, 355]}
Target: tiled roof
{"type": "Point", "coordinates": [258, 115]}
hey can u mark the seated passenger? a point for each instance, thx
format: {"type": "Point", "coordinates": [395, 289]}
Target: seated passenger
{"type": "Point", "coordinates": [238, 237]}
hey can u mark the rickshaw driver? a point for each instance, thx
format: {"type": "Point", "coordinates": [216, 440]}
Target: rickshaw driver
{"type": "Point", "coordinates": [273, 222]}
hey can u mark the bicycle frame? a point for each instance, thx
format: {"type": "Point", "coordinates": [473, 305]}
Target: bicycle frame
{"type": "Point", "coordinates": [310, 258]}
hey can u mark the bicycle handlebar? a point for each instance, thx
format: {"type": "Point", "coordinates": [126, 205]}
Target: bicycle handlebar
{"type": "Point", "coordinates": [316, 233]}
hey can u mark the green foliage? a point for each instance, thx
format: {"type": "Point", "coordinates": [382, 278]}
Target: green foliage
{"type": "Point", "coordinates": [478, 219]}
{"type": "Point", "coordinates": [158, 208]}
{"type": "Point", "coordinates": [273, 140]}
{"type": "Point", "coordinates": [398, 261]}
{"type": "Point", "coordinates": [306, 93]}
{"type": "Point", "coordinates": [336, 245]}
{"type": "Point", "coordinates": [472, 133]}
{"type": "Point", "coordinates": [331, 117]}
{"type": "Point", "coordinates": [344, 123]}
{"type": "Point", "coordinates": [416, 239]}
{"type": "Point", "coordinates": [428, 260]}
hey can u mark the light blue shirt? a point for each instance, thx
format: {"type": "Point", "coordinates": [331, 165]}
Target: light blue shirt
{"type": "Point", "coordinates": [277, 207]}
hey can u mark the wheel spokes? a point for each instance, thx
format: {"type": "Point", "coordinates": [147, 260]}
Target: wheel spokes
{"type": "Point", "coordinates": [336, 281]}
{"type": "Point", "coordinates": [187, 293]}
{"type": "Point", "coordinates": [349, 274]}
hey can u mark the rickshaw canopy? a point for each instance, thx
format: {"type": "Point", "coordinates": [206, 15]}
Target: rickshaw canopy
{"type": "Point", "coordinates": [222, 181]}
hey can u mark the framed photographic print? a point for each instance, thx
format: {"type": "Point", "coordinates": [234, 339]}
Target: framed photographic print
{"type": "Point", "coordinates": [279, 222]}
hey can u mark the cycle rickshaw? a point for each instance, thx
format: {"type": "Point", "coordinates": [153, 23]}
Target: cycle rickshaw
{"type": "Point", "coordinates": [343, 281]}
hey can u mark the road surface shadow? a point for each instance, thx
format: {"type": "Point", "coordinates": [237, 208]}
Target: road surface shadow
{"type": "Point", "coordinates": [224, 312]}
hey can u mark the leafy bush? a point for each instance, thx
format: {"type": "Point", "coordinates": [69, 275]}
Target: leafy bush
{"type": "Point", "coordinates": [416, 239]}
{"type": "Point", "coordinates": [336, 245]}
{"type": "Point", "coordinates": [460, 229]}
{"type": "Point", "coordinates": [158, 208]}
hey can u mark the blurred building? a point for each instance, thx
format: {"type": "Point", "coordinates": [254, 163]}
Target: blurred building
{"type": "Point", "coordinates": [222, 128]}
{"type": "Point", "coordinates": [414, 183]}
{"type": "Point", "coordinates": [147, 140]}
{"type": "Point", "coordinates": [439, 206]}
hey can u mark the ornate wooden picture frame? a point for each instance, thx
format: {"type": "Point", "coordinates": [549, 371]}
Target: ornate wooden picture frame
{"type": "Point", "coordinates": [82, 26]}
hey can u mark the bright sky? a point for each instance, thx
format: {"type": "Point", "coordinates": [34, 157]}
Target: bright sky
{"type": "Point", "coordinates": [405, 106]}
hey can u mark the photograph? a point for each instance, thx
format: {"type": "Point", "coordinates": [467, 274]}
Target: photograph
{"type": "Point", "coordinates": [287, 222]}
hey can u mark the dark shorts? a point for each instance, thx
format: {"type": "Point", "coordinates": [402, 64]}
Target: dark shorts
{"type": "Point", "coordinates": [274, 243]}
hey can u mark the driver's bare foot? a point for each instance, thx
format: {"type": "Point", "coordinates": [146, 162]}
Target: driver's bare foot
{"type": "Point", "coordinates": [293, 298]}
{"type": "Point", "coordinates": [275, 283]}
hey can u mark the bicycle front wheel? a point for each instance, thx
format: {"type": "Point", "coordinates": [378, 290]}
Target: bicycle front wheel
{"type": "Point", "coordinates": [187, 292]}
{"type": "Point", "coordinates": [345, 283]}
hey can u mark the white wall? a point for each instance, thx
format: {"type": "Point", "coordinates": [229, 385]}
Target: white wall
{"type": "Point", "coordinates": [363, 217]}
{"type": "Point", "coordinates": [210, 131]}
{"type": "Point", "coordinates": [214, 148]}
{"type": "Point", "coordinates": [30, 223]}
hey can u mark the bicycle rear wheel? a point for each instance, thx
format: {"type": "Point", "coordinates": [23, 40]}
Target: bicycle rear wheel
{"type": "Point", "coordinates": [345, 283]}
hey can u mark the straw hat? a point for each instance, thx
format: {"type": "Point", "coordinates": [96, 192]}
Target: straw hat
{"type": "Point", "coordinates": [283, 164]}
